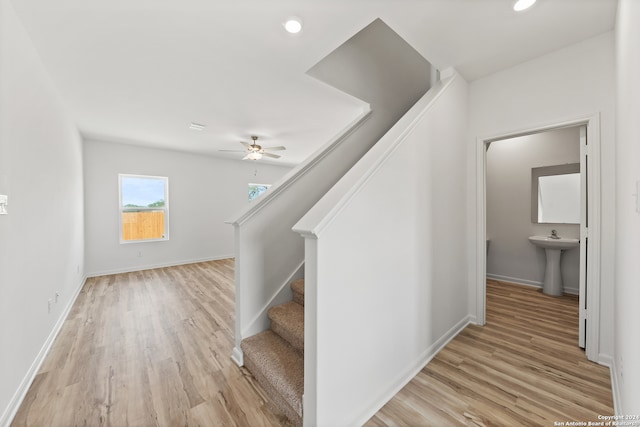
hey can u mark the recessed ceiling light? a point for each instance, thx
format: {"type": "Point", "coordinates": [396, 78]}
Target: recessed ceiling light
{"type": "Point", "coordinates": [521, 5]}
{"type": "Point", "coordinates": [293, 25]}
{"type": "Point", "coordinates": [196, 126]}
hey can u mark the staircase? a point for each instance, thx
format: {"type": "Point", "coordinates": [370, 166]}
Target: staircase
{"type": "Point", "coordinates": [276, 357]}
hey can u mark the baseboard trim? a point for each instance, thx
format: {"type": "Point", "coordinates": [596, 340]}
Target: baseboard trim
{"type": "Point", "coordinates": [530, 283]}
{"type": "Point", "coordinates": [12, 409]}
{"type": "Point", "coordinates": [158, 265]}
{"type": "Point", "coordinates": [414, 369]}
{"type": "Point", "coordinates": [516, 280]}
{"type": "Point", "coordinates": [609, 361]}
{"type": "Point", "coordinates": [605, 360]}
{"type": "Point", "coordinates": [615, 389]}
{"type": "Point", "coordinates": [571, 291]}
{"type": "Point", "coordinates": [237, 356]}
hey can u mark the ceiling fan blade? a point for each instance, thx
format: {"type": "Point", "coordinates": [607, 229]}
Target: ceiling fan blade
{"type": "Point", "coordinates": [234, 151]}
{"type": "Point", "coordinates": [275, 156]}
{"type": "Point", "coordinates": [278, 148]}
{"type": "Point", "coordinates": [246, 144]}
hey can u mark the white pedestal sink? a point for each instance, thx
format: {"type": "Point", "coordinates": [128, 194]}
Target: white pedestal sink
{"type": "Point", "coordinates": [553, 249]}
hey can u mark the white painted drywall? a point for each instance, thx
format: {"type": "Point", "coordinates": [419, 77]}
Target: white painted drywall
{"type": "Point", "coordinates": [627, 268]}
{"type": "Point", "coordinates": [268, 253]}
{"type": "Point", "coordinates": [367, 66]}
{"type": "Point", "coordinates": [386, 269]}
{"type": "Point", "coordinates": [511, 257]}
{"type": "Point", "coordinates": [203, 192]}
{"type": "Point", "coordinates": [577, 81]}
{"type": "Point", "coordinates": [42, 237]}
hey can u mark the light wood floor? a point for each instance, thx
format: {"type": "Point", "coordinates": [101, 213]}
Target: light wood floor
{"type": "Point", "coordinates": [149, 348]}
{"type": "Point", "coordinates": [523, 368]}
{"type": "Point", "coordinates": [152, 348]}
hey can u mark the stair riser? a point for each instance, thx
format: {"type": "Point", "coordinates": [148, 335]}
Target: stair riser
{"type": "Point", "coordinates": [299, 298]}
{"type": "Point", "coordinates": [296, 342]}
{"type": "Point", "coordinates": [276, 357]}
{"type": "Point", "coordinates": [298, 291]}
{"type": "Point", "coordinates": [280, 403]}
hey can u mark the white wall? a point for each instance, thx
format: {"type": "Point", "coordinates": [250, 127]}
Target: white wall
{"type": "Point", "coordinates": [571, 83]}
{"type": "Point", "coordinates": [386, 271]}
{"type": "Point", "coordinates": [41, 239]}
{"type": "Point", "coordinates": [268, 253]}
{"type": "Point", "coordinates": [627, 360]}
{"type": "Point", "coordinates": [511, 256]}
{"type": "Point", "coordinates": [203, 193]}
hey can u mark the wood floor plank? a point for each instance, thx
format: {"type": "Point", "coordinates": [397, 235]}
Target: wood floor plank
{"type": "Point", "coordinates": [152, 348]}
{"type": "Point", "coordinates": [523, 367]}
{"type": "Point", "coordinates": [148, 348]}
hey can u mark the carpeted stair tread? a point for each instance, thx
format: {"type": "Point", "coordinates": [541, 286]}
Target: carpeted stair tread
{"type": "Point", "coordinates": [298, 291]}
{"type": "Point", "coordinates": [287, 320]}
{"type": "Point", "coordinates": [276, 366]}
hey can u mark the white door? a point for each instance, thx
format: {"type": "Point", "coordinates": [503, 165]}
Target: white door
{"type": "Point", "coordinates": [584, 237]}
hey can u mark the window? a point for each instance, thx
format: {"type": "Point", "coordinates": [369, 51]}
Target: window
{"type": "Point", "coordinates": [144, 208]}
{"type": "Point", "coordinates": [256, 190]}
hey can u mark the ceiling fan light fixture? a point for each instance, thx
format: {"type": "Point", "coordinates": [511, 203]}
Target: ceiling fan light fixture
{"type": "Point", "coordinates": [293, 25]}
{"type": "Point", "coordinates": [521, 5]}
{"type": "Point", "coordinates": [256, 152]}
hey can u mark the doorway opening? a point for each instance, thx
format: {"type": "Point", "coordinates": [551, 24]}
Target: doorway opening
{"type": "Point", "coordinates": [587, 285]}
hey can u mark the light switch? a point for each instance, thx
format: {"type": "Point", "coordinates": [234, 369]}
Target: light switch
{"type": "Point", "coordinates": [3, 204]}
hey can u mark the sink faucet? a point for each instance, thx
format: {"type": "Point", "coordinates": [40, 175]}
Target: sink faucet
{"type": "Point", "coordinates": [554, 234]}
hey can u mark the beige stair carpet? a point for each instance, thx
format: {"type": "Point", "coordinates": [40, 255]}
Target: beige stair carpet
{"type": "Point", "coordinates": [276, 357]}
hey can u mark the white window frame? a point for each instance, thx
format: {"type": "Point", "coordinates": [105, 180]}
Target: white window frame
{"type": "Point", "coordinates": [122, 209]}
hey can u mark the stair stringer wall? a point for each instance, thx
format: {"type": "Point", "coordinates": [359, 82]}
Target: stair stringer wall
{"type": "Point", "coordinates": [385, 268]}
{"type": "Point", "coordinates": [268, 255]}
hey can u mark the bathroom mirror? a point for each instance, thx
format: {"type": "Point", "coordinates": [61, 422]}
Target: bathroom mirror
{"type": "Point", "coordinates": [555, 194]}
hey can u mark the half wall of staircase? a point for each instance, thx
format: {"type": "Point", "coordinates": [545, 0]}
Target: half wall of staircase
{"type": "Point", "coordinates": [386, 277]}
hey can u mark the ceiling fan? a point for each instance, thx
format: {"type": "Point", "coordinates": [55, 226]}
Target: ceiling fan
{"type": "Point", "coordinates": [255, 151]}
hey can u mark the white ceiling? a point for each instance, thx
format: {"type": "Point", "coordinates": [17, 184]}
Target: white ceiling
{"type": "Point", "coordinates": [139, 71]}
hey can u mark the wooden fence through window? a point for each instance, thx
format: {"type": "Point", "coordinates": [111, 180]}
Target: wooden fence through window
{"type": "Point", "coordinates": [142, 225]}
